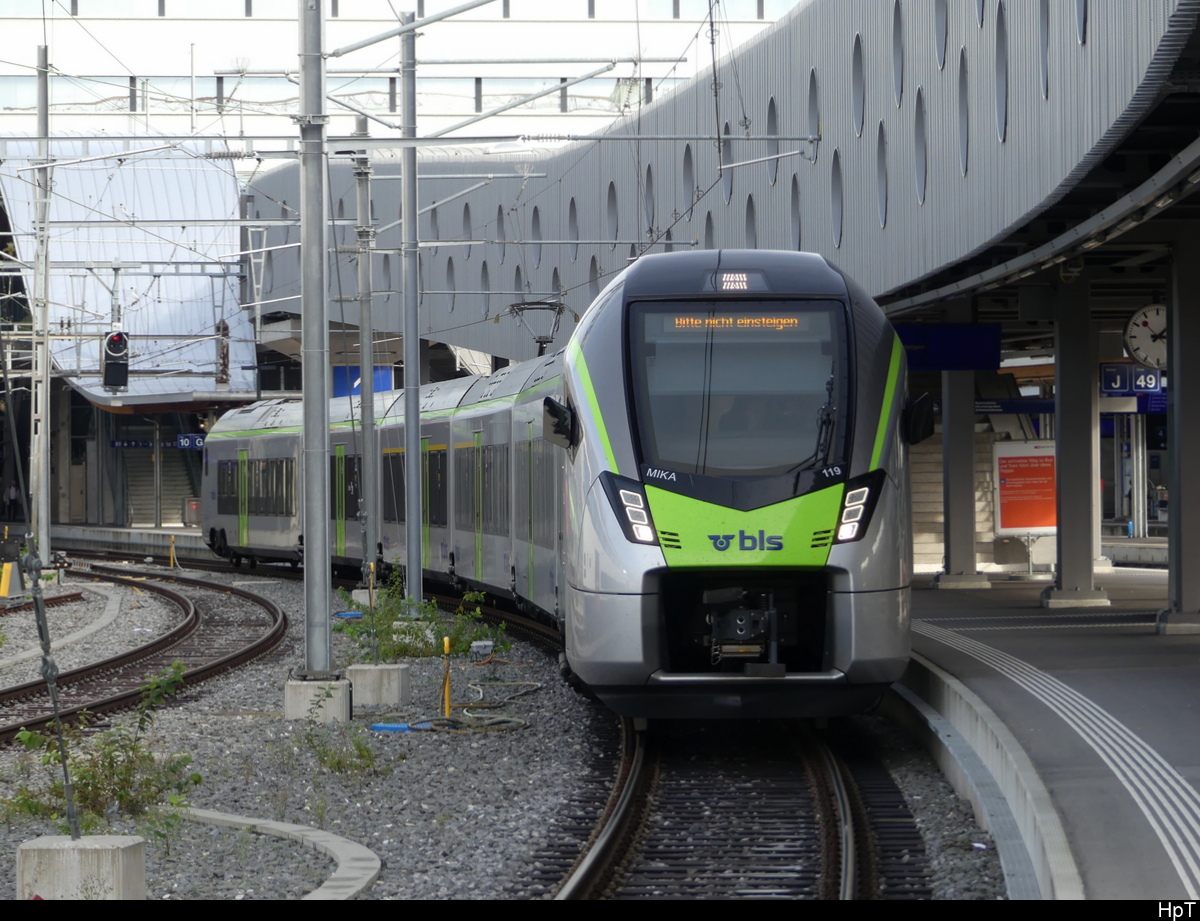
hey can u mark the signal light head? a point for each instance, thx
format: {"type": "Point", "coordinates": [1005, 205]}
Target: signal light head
{"type": "Point", "coordinates": [116, 345]}
{"type": "Point", "coordinates": [114, 360]}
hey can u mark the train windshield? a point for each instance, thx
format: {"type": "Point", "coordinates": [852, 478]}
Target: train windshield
{"type": "Point", "coordinates": [737, 389]}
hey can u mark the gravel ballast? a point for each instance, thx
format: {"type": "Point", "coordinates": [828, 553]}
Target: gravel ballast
{"type": "Point", "coordinates": [451, 815]}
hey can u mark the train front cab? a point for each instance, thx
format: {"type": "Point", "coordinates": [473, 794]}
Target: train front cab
{"type": "Point", "coordinates": [710, 568]}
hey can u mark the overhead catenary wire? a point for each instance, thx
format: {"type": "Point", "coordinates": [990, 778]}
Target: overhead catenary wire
{"type": "Point", "coordinates": [517, 222]}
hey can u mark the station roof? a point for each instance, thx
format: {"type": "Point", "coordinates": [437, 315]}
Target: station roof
{"type": "Point", "coordinates": [140, 241]}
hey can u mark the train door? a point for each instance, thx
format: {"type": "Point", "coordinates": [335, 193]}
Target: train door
{"type": "Point", "coordinates": [425, 502]}
{"type": "Point", "coordinates": [344, 476]}
{"type": "Point", "coordinates": [468, 488]}
{"type": "Point", "coordinates": [243, 493]}
{"type": "Point", "coordinates": [477, 495]}
{"type": "Point", "coordinates": [528, 509]}
{"type": "Point", "coordinates": [436, 511]}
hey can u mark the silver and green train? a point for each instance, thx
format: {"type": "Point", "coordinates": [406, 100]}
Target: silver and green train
{"type": "Point", "coordinates": [706, 491]}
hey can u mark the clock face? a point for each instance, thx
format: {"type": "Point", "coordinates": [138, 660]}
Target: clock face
{"type": "Point", "coordinates": [1146, 337]}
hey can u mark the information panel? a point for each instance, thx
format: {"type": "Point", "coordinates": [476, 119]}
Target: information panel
{"type": "Point", "coordinates": [1026, 496]}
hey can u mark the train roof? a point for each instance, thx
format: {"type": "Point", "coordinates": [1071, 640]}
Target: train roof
{"type": "Point", "coordinates": [692, 273]}
{"type": "Point", "coordinates": [267, 414]}
{"type": "Point", "coordinates": [439, 396]}
{"type": "Point", "coordinates": [516, 378]}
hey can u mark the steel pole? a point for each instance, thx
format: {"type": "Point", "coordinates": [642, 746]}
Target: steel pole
{"type": "Point", "coordinates": [39, 465]}
{"type": "Point", "coordinates": [369, 495]}
{"type": "Point", "coordinates": [413, 460]}
{"type": "Point", "coordinates": [318, 659]}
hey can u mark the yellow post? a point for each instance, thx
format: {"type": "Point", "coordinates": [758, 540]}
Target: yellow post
{"type": "Point", "coordinates": [171, 562]}
{"type": "Point", "coordinates": [446, 676]}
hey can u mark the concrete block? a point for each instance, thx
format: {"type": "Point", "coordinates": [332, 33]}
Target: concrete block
{"type": "Point", "coordinates": [105, 867]}
{"type": "Point", "coordinates": [363, 596]}
{"type": "Point", "coordinates": [962, 581]}
{"type": "Point", "coordinates": [1045, 551]}
{"type": "Point", "coordinates": [324, 701]}
{"type": "Point", "coordinates": [380, 685]}
{"type": "Point", "coordinates": [1074, 598]}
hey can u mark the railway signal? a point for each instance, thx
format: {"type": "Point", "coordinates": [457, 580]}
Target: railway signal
{"type": "Point", "coordinates": [114, 360]}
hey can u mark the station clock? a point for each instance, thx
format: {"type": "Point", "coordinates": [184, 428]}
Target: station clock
{"type": "Point", "coordinates": [1146, 337]}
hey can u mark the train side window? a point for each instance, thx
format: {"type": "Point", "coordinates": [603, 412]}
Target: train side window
{"type": "Point", "coordinates": [227, 497]}
{"type": "Point", "coordinates": [466, 461]}
{"type": "Point", "coordinates": [280, 494]}
{"type": "Point", "coordinates": [436, 491]}
{"type": "Point", "coordinates": [495, 489]}
{"type": "Point", "coordinates": [545, 514]}
{"type": "Point", "coordinates": [522, 461]}
{"type": "Point", "coordinates": [393, 487]}
{"type": "Point", "coordinates": [254, 487]}
{"type": "Point", "coordinates": [290, 481]}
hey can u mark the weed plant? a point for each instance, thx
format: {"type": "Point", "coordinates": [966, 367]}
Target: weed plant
{"type": "Point", "coordinates": [401, 628]}
{"type": "Point", "coordinates": [113, 772]}
{"type": "Point", "coordinates": [338, 749]}
{"type": "Point", "coordinates": [341, 750]}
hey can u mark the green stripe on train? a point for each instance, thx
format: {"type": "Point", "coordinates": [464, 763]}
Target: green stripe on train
{"type": "Point", "coordinates": [243, 488]}
{"type": "Point", "coordinates": [575, 353]}
{"type": "Point", "coordinates": [885, 409]}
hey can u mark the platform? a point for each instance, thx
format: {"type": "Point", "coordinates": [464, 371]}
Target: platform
{"type": "Point", "coordinates": [139, 540]}
{"type": "Point", "coordinates": [1107, 712]}
{"type": "Point", "coordinates": [1135, 551]}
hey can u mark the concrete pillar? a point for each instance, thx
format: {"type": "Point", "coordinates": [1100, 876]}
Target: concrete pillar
{"type": "Point", "coordinates": [1139, 487]}
{"type": "Point", "coordinates": [60, 491]}
{"type": "Point", "coordinates": [958, 470]}
{"type": "Point", "coordinates": [958, 478]}
{"type": "Point", "coordinates": [1077, 450]}
{"type": "Point", "coordinates": [1182, 614]}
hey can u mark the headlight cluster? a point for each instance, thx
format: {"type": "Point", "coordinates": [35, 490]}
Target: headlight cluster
{"type": "Point", "coordinates": [858, 502]}
{"type": "Point", "coordinates": [638, 515]}
{"type": "Point", "coordinates": [854, 506]}
{"type": "Point", "coordinates": [628, 500]}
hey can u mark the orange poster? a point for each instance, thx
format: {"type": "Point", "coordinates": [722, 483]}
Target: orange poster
{"type": "Point", "coordinates": [1025, 488]}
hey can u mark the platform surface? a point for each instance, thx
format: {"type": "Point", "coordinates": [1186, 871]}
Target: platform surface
{"type": "Point", "coordinates": [140, 539]}
{"type": "Point", "coordinates": [1108, 711]}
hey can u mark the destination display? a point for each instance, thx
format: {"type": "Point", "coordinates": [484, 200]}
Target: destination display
{"type": "Point", "coordinates": [735, 321]}
{"type": "Point", "coordinates": [741, 389]}
{"type": "Point", "coordinates": [789, 321]}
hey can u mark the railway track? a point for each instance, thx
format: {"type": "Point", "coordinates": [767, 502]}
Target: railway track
{"type": "Point", "coordinates": [215, 633]}
{"type": "Point", "coordinates": [520, 625]}
{"type": "Point", "coordinates": [742, 816]}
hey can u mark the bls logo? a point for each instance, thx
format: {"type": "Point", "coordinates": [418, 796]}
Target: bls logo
{"type": "Point", "coordinates": [747, 541]}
